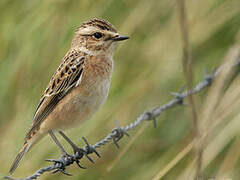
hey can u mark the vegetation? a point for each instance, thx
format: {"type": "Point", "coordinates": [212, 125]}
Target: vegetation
{"type": "Point", "coordinates": [35, 35]}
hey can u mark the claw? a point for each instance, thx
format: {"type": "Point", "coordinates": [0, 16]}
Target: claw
{"type": "Point", "coordinates": [80, 152]}
{"type": "Point", "coordinates": [55, 171]}
{"type": "Point", "coordinates": [64, 172]}
{"type": "Point", "coordinates": [61, 163]}
{"type": "Point", "coordinates": [51, 160]}
{"type": "Point", "coordinates": [65, 159]}
{"type": "Point", "coordinates": [79, 165]}
{"type": "Point", "coordinates": [56, 161]}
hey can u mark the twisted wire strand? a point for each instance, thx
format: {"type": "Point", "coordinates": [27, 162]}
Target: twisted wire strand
{"type": "Point", "coordinates": [119, 132]}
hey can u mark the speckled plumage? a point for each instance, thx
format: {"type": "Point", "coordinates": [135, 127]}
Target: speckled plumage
{"type": "Point", "coordinates": [79, 86]}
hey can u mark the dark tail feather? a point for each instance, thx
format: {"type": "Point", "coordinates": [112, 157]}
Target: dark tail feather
{"type": "Point", "coordinates": [20, 155]}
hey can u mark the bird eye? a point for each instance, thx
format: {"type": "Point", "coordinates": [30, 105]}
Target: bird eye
{"type": "Point", "coordinates": [97, 35]}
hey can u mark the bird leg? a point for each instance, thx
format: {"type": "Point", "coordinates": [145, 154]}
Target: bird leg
{"type": "Point", "coordinates": [76, 149]}
{"type": "Point", "coordinates": [78, 152]}
{"type": "Point", "coordinates": [57, 143]}
{"type": "Point", "coordinates": [64, 160]}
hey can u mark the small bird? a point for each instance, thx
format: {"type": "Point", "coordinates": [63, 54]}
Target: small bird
{"type": "Point", "coordinates": [78, 88]}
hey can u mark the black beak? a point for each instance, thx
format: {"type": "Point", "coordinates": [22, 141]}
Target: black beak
{"type": "Point", "coordinates": [120, 38]}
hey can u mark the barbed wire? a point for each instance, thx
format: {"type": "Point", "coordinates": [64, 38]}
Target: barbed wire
{"type": "Point", "coordinates": [59, 165]}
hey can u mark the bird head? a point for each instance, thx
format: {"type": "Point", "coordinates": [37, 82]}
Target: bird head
{"type": "Point", "coordinates": [97, 36]}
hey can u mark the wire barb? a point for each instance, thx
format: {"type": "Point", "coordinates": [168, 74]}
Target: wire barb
{"type": "Point", "coordinates": [208, 77]}
{"type": "Point", "coordinates": [179, 96]}
{"type": "Point", "coordinates": [152, 117]}
{"type": "Point", "coordinates": [118, 134]}
{"type": "Point", "coordinates": [89, 150]}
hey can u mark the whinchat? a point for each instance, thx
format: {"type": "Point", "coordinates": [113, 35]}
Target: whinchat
{"type": "Point", "coordinates": [80, 85]}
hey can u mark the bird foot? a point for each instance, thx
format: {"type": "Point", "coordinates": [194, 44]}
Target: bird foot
{"type": "Point", "coordinates": [61, 163]}
{"type": "Point", "coordinates": [79, 152]}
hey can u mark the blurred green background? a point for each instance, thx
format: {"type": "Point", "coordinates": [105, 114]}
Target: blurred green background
{"type": "Point", "coordinates": [35, 35]}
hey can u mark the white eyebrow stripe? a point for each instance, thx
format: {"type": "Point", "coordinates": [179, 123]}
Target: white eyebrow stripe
{"type": "Point", "coordinates": [88, 30]}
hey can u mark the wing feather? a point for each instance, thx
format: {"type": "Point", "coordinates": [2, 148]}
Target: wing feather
{"type": "Point", "coordinates": [64, 79]}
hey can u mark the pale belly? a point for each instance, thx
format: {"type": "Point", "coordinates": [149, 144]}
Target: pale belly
{"type": "Point", "coordinates": [76, 107]}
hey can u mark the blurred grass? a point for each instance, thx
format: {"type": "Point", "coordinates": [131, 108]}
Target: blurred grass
{"type": "Point", "coordinates": [35, 35]}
